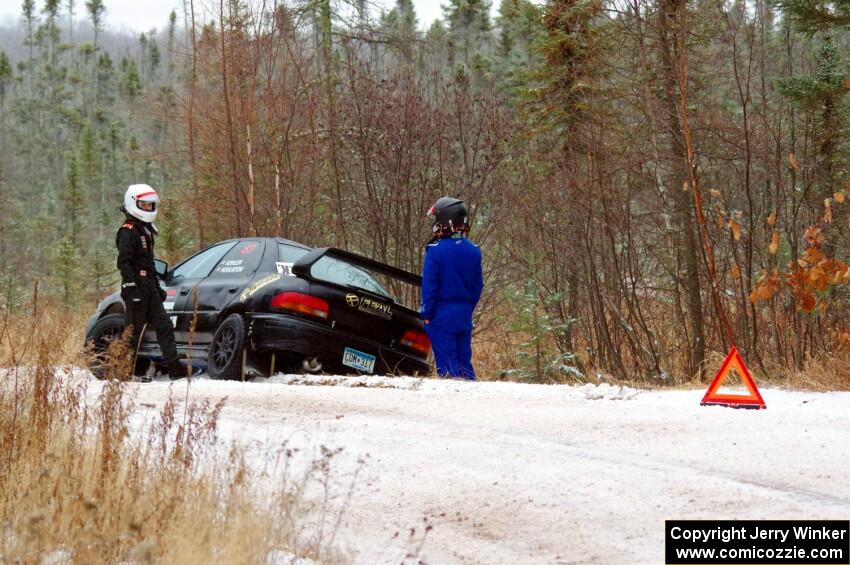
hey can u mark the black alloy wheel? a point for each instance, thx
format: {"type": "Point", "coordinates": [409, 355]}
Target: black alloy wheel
{"type": "Point", "coordinates": [225, 355]}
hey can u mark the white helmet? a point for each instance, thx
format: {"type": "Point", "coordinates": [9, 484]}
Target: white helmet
{"type": "Point", "coordinates": [144, 194]}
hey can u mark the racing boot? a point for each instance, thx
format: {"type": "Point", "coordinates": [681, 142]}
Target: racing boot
{"type": "Point", "coordinates": [142, 371]}
{"type": "Point", "coordinates": [178, 370]}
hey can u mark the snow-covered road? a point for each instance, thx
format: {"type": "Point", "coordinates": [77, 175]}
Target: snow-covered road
{"type": "Point", "coordinates": [511, 473]}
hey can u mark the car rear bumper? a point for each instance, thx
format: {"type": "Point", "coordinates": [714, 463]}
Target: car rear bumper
{"type": "Point", "coordinates": [279, 332]}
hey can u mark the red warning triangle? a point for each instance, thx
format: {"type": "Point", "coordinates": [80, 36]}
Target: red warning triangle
{"type": "Point", "coordinates": [752, 400]}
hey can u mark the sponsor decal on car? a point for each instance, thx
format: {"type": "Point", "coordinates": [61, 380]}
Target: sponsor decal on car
{"type": "Point", "coordinates": [255, 287]}
{"type": "Point", "coordinates": [231, 266]}
{"type": "Point", "coordinates": [370, 306]}
{"type": "Point", "coordinates": [248, 248]}
{"type": "Point", "coordinates": [285, 269]}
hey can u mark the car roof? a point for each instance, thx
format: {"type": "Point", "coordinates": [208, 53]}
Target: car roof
{"type": "Point", "coordinates": [269, 239]}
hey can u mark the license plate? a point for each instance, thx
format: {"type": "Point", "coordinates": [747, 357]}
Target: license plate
{"type": "Point", "coordinates": [358, 360]}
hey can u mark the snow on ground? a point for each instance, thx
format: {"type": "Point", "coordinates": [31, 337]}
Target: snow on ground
{"type": "Point", "coordinates": [511, 473]}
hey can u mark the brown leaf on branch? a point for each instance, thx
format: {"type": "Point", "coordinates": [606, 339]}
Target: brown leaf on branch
{"type": "Point", "coordinates": [736, 272]}
{"type": "Point", "coordinates": [714, 192]}
{"type": "Point", "coordinates": [735, 228]}
{"type": "Point", "coordinates": [839, 196]}
{"type": "Point", "coordinates": [774, 243]}
{"type": "Point", "coordinates": [813, 236]}
{"type": "Point", "coordinates": [807, 302]}
{"type": "Point", "coordinates": [771, 220]}
{"type": "Point", "coordinates": [792, 160]}
{"type": "Point", "coordinates": [765, 289]}
{"type": "Point", "coordinates": [809, 280]}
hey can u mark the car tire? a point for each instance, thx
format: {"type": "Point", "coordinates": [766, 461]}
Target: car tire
{"type": "Point", "coordinates": [224, 360]}
{"type": "Point", "coordinates": [104, 331]}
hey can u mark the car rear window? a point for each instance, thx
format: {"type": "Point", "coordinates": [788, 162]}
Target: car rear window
{"type": "Point", "coordinates": [242, 260]}
{"type": "Point", "coordinates": [339, 272]}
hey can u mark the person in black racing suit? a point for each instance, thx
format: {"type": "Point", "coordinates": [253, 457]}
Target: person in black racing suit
{"type": "Point", "coordinates": [140, 289]}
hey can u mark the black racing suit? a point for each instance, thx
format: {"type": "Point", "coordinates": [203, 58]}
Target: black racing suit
{"type": "Point", "coordinates": [140, 288]}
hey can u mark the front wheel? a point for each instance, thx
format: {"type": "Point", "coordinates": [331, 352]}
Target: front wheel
{"type": "Point", "coordinates": [228, 343]}
{"type": "Point", "coordinates": [104, 332]}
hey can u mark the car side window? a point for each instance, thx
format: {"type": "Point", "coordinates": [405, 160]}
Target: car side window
{"type": "Point", "coordinates": [241, 261]}
{"type": "Point", "coordinates": [200, 265]}
{"type": "Point", "coordinates": [287, 255]}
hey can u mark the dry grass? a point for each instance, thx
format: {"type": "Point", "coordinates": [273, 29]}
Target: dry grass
{"type": "Point", "coordinates": [822, 373]}
{"type": "Point", "coordinates": [495, 354]}
{"type": "Point", "coordinates": [84, 479]}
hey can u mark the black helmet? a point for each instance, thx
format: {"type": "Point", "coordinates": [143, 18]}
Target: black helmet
{"type": "Point", "coordinates": [449, 216]}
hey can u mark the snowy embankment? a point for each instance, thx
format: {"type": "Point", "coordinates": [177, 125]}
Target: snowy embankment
{"type": "Point", "coordinates": [512, 473]}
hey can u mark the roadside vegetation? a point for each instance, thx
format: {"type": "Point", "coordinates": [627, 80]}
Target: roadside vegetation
{"type": "Point", "coordinates": [650, 180]}
{"type": "Point", "coordinates": [89, 476]}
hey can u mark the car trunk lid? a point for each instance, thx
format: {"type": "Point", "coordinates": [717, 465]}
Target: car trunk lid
{"type": "Point", "coordinates": [366, 298]}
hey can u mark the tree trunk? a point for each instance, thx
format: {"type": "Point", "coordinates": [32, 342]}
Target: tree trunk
{"type": "Point", "coordinates": [669, 16]}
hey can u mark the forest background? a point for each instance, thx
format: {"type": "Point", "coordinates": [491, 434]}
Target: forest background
{"type": "Point", "coordinates": [651, 181]}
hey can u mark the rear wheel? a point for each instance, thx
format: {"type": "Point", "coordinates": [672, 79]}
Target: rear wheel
{"type": "Point", "coordinates": [228, 343]}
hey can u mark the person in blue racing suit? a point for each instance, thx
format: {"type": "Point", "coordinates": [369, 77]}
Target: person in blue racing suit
{"type": "Point", "coordinates": [452, 282]}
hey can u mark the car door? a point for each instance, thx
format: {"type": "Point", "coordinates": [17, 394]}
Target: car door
{"type": "Point", "coordinates": [215, 292]}
{"type": "Point", "coordinates": [183, 279]}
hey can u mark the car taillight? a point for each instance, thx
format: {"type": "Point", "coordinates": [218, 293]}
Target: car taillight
{"type": "Point", "coordinates": [417, 341]}
{"type": "Point", "coordinates": [301, 303]}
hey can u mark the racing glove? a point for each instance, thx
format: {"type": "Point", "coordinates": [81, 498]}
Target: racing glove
{"type": "Point", "coordinates": [130, 292]}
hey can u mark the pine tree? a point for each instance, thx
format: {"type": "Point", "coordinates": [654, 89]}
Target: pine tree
{"type": "Point", "coordinates": [66, 263]}
{"type": "Point", "coordinates": [811, 16]}
{"type": "Point", "coordinates": [131, 82]}
{"type": "Point", "coordinates": [172, 31]}
{"type": "Point", "coordinates": [50, 30]}
{"type": "Point", "coordinates": [520, 29]}
{"type": "Point", "coordinates": [74, 203]}
{"type": "Point", "coordinates": [824, 94]}
{"type": "Point", "coordinates": [569, 49]}
{"type": "Point", "coordinates": [538, 359]}
{"type": "Point", "coordinates": [470, 33]}
{"type": "Point", "coordinates": [89, 164]}
{"type": "Point", "coordinates": [401, 23]}
{"type": "Point", "coordinates": [5, 78]}
{"type": "Point", "coordinates": [95, 8]}
{"type": "Point", "coordinates": [143, 55]}
{"type": "Point", "coordinates": [6, 277]}
{"type": "Point", "coordinates": [102, 268]}
{"type": "Point", "coordinates": [154, 57]}
{"type": "Point", "coordinates": [31, 19]}
{"type": "Point", "coordinates": [71, 7]}
{"type": "Point", "coordinates": [104, 75]}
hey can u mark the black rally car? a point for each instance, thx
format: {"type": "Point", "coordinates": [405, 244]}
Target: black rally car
{"type": "Point", "coordinates": [248, 307]}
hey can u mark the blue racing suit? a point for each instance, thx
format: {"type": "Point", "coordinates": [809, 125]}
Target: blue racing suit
{"type": "Point", "coordinates": [452, 282]}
